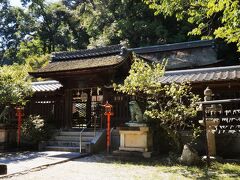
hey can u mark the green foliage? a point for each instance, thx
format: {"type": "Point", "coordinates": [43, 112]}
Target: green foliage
{"type": "Point", "coordinates": [38, 29]}
{"type": "Point", "coordinates": [14, 85]}
{"type": "Point", "coordinates": [35, 62]}
{"type": "Point", "coordinates": [170, 104]}
{"type": "Point", "coordinates": [109, 22]}
{"type": "Point", "coordinates": [34, 130]}
{"type": "Point", "coordinates": [15, 25]}
{"type": "Point", "coordinates": [211, 18]}
{"type": "Point", "coordinates": [196, 132]}
{"type": "Point", "coordinates": [142, 77]}
{"type": "Point", "coordinates": [59, 28]}
{"type": "Point", "coordinates": [29, 48]}
{"type": "Point", "coordinates": [42, 27]}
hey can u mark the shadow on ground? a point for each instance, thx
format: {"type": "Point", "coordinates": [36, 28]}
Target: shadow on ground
{"type": "Point", "coordinates": [13, 157]}
{"type": "Point", "coordinates": [19, 156]}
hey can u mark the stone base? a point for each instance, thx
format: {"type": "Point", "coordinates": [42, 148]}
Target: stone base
{"type": "Point", "coordinates": [138, 149]}
{"type": "Point", "coordinates": [132, 154]}
{"type": "Point", "coordinates": [135, 138]}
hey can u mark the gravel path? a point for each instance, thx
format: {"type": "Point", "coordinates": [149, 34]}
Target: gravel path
{"type": "Point", "coordinates": [94, 167]}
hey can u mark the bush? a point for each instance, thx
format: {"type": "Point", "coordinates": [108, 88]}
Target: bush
{"type": "Point", "coordinates": [34, 129]}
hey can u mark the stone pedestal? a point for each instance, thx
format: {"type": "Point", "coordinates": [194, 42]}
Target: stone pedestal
{"type": "Point", "coordinates": [136, 138]}
{"type": "Point", "coordinates": [211, 124]}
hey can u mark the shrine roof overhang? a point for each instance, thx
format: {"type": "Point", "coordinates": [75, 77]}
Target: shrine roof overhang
{"type": "Point", "coordinates": [46, 86]}
{"type": "Point", "coordinates": [203, 75]}
{"type": "Point", "coordinates": [79, 66]}
{"type": "Point", "coordinates": [215, 74]}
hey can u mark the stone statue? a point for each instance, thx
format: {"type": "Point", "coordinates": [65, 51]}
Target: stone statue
{"type": "Point", "coordinates": [135, 111]}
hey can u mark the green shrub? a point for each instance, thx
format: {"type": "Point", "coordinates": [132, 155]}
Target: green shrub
{"type": "Point", "coordinates": [34, 130]}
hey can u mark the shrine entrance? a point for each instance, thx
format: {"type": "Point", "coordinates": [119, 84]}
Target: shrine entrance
{"type": "Point", "coordinates": [86, 108]}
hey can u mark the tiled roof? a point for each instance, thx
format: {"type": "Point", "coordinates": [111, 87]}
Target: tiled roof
{"type": "Point", "coordinates": [80, 64]}
{"type": "Point", "coordinates": [45, 86]}
{"type": "Point", "coordinates": [86, 53]}
{"type": "Point", "coordinates": [202, 75]}
{"type": "Point", "coordinates": [116, 49]}
{"type": "Point", "coordinates": [179, 55]}
{"type": "Point", "coordinates": [173, 47]}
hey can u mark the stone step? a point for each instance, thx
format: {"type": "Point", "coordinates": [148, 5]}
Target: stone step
{"type": "Point", "coordinates": [72, 138]}
{"type": "Point", "coordinates": [63, 148]}
{"type": "Point", "coordinates": [66, 143]}
{"type": "Point", "coordinates": [73, 133]}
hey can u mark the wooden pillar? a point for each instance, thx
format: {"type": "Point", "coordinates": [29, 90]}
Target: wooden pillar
{"type": "Point", "coordinates": [67, 122]}
{"type": "Point", "coordinates": [88, 108]}
{"type": "Point", "coordinates": [59, 112]}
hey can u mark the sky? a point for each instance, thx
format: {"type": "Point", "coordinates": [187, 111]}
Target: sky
{"type": "Point", "coordinates": [18, 3]}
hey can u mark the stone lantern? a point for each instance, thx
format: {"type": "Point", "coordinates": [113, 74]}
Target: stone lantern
{"type": "Point", "coordinates": [211, 123]}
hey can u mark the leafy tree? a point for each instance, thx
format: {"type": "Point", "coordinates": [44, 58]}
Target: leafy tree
{"type": "Point", "coordinates": [170, 104]}
{"type": "Point", "coordinates": [58, 27]}
{"type": "Point", "coordinates": [15, 25]}
{"type": "Point", "coordinates": [109, 22]}
{"type": "Point", "coordinates": [35, 62]}
{"type": "Point", "coordinates": [31, 53]}
{"type": "Point", "coordinates": [211, 18]}
{"type": "Point", "coordinates": [14, 86]}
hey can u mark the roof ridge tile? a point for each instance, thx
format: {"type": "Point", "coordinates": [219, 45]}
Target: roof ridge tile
{"type": "Point", "coordinates": [84, 53]}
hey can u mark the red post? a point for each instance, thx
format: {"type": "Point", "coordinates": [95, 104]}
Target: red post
{"type": "Point", "coordinates": [108, 131]}
{"type": "Point", "coordinates": [108, 113]}
{"type": "Point", "coordinates": [19, 114]}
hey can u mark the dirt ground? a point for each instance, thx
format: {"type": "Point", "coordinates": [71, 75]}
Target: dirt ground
{"type": "Point", "coordinates": [103, 167]}
{"type": "Point", "coordinates": [94, 167]}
